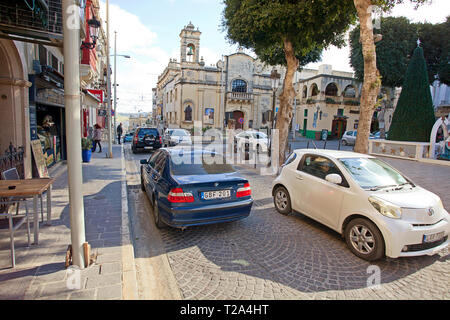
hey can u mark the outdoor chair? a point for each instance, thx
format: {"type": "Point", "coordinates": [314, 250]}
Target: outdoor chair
{"type": "Point", "coordinates": [7, 202]}
{"type": "Point", "coordinates": [13, 174]}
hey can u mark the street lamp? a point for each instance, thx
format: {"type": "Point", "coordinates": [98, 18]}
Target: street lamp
{"type": "Point", "coordinates": [275, 80]}
{"type": "Point", "coordinates": [94, 26]}
{"type": "Point", "coordinates": [115, 83]}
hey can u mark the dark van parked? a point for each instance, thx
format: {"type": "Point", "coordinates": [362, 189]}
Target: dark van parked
{"type": "Point", "coordinates": [146, 139]}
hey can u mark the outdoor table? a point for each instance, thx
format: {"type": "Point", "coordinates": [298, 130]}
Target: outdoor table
{"type": "Point", "coordinates": [30, 188]}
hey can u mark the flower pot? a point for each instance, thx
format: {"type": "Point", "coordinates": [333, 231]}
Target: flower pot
{"type": "Point", "coordinates": [86, 154]}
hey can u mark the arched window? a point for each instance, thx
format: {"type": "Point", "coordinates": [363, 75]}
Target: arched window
{"type": "Point", "coordinates": [314, 90]}
{"type": "Point", "coordinates": [305, 92]}
{"type": "Point", "coordinates": [239, 85]}
{"type": "Point", "coordinates": [349, 92]}
{"type": "Point", "coordinates": [331, 90]}
{"type": "Point", "coordinates": [188, 113]}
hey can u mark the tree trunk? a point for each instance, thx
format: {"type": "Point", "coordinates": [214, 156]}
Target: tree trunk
{"type": "Point", "coordinates": [372, 81]}
{"type": "Point", "coordinates": [285, 114]}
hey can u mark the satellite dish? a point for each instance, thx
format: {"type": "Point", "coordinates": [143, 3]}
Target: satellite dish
{"type": "Point", "coordinates": [219, 64]}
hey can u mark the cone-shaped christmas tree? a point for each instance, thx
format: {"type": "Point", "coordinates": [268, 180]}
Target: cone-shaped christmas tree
{"type": "Point", "coordinates": [414, 115]}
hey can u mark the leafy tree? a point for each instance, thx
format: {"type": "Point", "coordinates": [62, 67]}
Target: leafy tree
{"type": "Point", "coordinates": [435, 40]}
{"type": "Point", "coordinates": [414, 118]}
{"type": "Point", "coordinates": [397, 45]}
{"type": "Point", "coordinates": [372, 79]}
{"type": "Point", "coordinates": [399, 39]}
{"type": "Point", "coordinates": [289, 33]}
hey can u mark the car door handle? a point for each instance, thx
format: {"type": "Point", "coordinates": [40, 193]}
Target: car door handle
{"type": "Point", "coordinates": [299, 177]}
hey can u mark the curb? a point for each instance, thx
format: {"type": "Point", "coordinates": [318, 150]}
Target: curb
{"type": "Point", "coordinates": [129, 280]}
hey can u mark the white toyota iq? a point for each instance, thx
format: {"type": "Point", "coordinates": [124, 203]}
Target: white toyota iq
{"type": "Point", "coordinates": [378, 211]}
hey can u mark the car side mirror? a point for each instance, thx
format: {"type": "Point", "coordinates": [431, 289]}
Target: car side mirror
{"type": "Point", "coordinates": [334, 178]}
{"type": "Point", "coordinates": [143, 161]}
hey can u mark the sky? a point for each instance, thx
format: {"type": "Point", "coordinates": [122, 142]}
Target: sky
{"type": "Point", "coordinates": [148, 31]}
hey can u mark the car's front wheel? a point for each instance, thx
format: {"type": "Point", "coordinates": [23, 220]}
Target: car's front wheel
{"type": "Point", "coordinates": [344, 142]}
{"type": "Point", "coordinates": [364, 239]}
{"type": "Point", "coordinates": [282, 200]}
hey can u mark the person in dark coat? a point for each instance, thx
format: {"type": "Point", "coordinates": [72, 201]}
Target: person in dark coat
{"type": "Point", "coordinates": [119, 132]}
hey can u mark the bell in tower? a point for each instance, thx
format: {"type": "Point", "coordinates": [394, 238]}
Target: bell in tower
{"type": "Point", "coordinates": [190, 44]}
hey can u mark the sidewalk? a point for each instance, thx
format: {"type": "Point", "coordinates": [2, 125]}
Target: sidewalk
{"type": "Point", "coordinates": [40, 272]}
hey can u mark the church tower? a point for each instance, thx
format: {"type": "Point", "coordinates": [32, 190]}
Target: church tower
{"type": "Point", "coordinates": [190, 44]}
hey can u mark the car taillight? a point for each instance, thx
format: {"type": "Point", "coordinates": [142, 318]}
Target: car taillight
{"type": "Point", "coordinates": [246, 191]}
{"type": "Point", "coordinates": [160, 140]}
{"type": "Point", "coordinates": [178, 195]}
{"type": "Point", "coordinates": [135, 137]}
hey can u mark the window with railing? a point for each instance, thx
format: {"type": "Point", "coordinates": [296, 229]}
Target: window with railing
{"type": "Point", "coordinates": [239, 85]}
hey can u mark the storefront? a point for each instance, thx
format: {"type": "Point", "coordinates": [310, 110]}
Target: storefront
{"type": "Point", "coordinates": [92, 101]}
{"type": "Point", "coordinates": [97, 114]}
{"type": "Point", "coordinates": [47, 115]}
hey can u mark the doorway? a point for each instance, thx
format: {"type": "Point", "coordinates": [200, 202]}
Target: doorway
{"type": "Point", "coordinates": [338, 128]}
{"type": "Point", "coordinates": [238, 117]}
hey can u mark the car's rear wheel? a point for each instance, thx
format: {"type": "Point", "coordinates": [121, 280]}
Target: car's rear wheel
{"type": "Point", "coordinates": [364, 239]}
{"type": "Point", "coordinates": [282, 200]}
{"type": "Point", "coordinates": [142, 182]}
{"type": "Point", "coordinates": [158, 222]}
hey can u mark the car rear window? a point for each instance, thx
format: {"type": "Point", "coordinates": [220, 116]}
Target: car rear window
{"type": "Point", "coordinates": [197, 164]}
{"type": "Point", "coordinates": [148, 131]}
{"type": "Point", "coordinates": [180, 133]}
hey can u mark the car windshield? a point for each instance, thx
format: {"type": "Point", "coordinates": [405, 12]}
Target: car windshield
{"type": "Point", "coordinates": [372, 173]}
{"type": "Point", "coordinates": [148, 131]}
{"type": "Point", "coordinates": [198, 163]}
{"type": "Point", "coordinates": [179, 133]}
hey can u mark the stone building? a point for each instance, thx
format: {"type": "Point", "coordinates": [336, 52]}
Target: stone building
{"type": "Point", "coordinates": [329, 100]}
{"type": "Point", "coordinates": [236, 92]}
{"type": "Point", "coordinates": [32, 79]}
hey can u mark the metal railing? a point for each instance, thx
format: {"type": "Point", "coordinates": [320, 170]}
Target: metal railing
{"type": "Point", "coordinates": [12, 158]}
{"type": "Point", "coordinates": [37, 15]}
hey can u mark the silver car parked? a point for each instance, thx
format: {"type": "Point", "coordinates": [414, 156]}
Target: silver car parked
{"type": "Point", "coordinates": [349, 137]}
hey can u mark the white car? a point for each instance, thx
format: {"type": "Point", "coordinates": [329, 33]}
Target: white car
{"type": "Point", "coordinates": [173, 137]}
{"type": "Point", "coordinates": [349, 137]}
{"type": "Point", "coordinates": [253, 139]}
{"type": "Point", "coordinates": [378, 211]}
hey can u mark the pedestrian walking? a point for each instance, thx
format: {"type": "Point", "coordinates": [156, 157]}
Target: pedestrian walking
{"type": "Point", "coordinates": [97, 137]}
{"type": "Point", "coordinates": [119, 132]}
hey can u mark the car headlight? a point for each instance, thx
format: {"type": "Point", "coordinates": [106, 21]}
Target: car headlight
{"type": "Point", "coordinates": [386, 208]}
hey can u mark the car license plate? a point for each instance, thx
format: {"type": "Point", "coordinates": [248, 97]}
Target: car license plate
{"type": "Point", "coordinates": [433, 237]}
{"type": "Point", "coordinates": [209, 195]}
{"type": "Point", "coordinates": [148, 148]}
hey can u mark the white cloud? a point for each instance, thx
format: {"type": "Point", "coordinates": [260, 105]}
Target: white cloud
{"type": "Point", "coordinates": [136, 76]}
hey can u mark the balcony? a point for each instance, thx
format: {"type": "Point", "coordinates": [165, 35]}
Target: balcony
{"type": "Point", "coordinates": [41, 22]}
{"type": "Point", "coordinates": [240, 96]}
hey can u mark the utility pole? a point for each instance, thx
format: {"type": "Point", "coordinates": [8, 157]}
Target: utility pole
{"type": "Point", "coordinates": [109, 155]}
{"type": "Point", "coordinates": [115, 85]}
{"type": "Point", "coordinates": [71, 29]}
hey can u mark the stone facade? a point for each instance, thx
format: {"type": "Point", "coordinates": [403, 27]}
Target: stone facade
{"type": "Point", "coordinates": [329, 99]}
{"type": "Point", "coordinates": [235, 92]}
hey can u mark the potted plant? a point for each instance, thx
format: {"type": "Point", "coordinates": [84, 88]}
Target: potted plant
{"type": "Point", "coordinates": [86, 149]}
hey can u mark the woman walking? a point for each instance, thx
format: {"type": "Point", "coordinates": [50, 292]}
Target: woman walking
{"type": "Point", "coordinates": [97, 137]}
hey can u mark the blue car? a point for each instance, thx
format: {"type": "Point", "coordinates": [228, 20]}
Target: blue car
{"type": "Point", "coordinates": [128, 137]}
{"type": "Point", "coordinates": [186, 189]}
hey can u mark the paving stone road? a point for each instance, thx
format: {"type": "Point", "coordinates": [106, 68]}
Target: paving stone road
{"type": "Point", "coordinates": [271, 256]}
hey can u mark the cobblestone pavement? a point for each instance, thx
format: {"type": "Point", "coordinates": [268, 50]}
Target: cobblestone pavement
{"type": "Point", "coordinates": [271, 256]}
